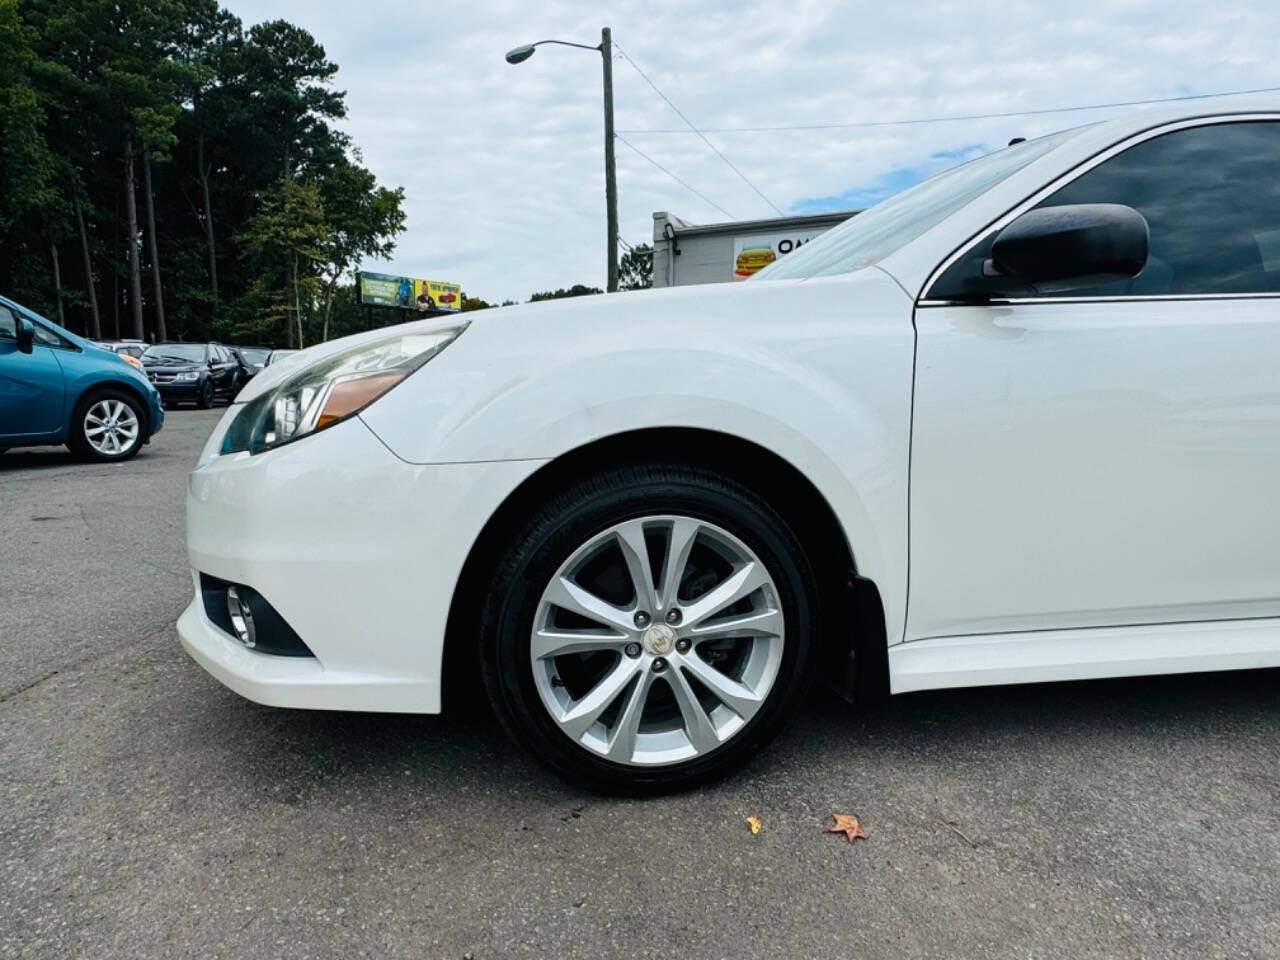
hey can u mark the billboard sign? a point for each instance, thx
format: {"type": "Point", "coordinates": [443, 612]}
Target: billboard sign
{"type": "Point", "coordinates": [407, 293]}
{"type": "Point", "coordinates": [752, 254]}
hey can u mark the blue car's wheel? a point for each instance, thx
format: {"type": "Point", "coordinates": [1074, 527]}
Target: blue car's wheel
{"type": "Point", "coordinates": [107, 425]}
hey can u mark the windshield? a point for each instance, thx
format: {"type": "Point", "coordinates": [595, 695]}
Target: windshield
{"type": "Point", "coordinates": [255, 354]}
{"type": "Point", "coordinates": [182, 352]}
{"type": "Point", "coordinates": [878, 231]}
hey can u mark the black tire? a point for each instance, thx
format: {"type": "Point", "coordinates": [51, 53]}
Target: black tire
{"type": "Point", "coordinates": [204, 400]}
{"type": "Point", "coordinates": [77, 439]}
{"type": "Point", "coordinates": [585, 509]}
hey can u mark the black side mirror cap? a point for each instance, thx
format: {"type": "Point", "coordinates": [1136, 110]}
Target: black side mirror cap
{"type": "Point", "coordinates": [1056, 249]}
{"type": "Point", "coordinates": [26, 332]}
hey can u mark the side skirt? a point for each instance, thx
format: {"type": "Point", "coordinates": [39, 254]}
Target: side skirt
{"type": "Point", "coordinates": [1049, 655]}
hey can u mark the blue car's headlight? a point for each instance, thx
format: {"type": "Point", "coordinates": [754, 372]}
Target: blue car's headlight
{"type": "Point", "coordinates": [332, 389]}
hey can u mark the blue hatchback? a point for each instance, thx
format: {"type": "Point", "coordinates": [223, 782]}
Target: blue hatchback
{"type": "Point", "coordinates": [56, 387]}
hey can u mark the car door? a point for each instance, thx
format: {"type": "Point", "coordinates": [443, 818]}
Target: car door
{"type": "Point", "coordinates": [217, 369]}
{"type": "Point", "coordinates": [1111, 455]}
{"type": "Point", "coordinates": [226, 367]}
{"type": "Point", "coordinates": [31, 386]}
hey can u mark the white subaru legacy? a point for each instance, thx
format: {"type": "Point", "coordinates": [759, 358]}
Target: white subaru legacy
{"type": "Point", "coordinates": [1019, 423]}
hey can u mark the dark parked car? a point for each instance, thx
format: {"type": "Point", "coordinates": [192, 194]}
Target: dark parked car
{"type": "Point", "coordinates": [252, 360]}
{"type": "Point", "coordinates": [198, 373]}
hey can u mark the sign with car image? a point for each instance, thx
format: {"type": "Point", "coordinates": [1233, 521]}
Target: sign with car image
{"type": "Point", "coordinates": [753, 254]}
{"type": "Point", "coordinates": [408, 293]}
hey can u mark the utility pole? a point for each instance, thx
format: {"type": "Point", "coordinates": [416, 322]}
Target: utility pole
{"type": "Point", "coordinates": [605, 49]}
{"type": "Point", "coordinates": [610, 170]}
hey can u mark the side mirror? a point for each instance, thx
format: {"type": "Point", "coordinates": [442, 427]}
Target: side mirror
{"type": "Point", "coordinates": [26, 335]}
{"type": "Point", "coordinates": [1064, 248]}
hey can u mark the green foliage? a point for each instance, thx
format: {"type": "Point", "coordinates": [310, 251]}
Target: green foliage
{"type": "Point", "coordinates": [635, 272]}
{"type": "Point", "coordinates": [285, 241]}
{"type": "Point", "coordinates": [27, 167]}
{"type": "Point", "coordinates": [262, 209]}
{"type": "Point", "coordinates": [577, 290]}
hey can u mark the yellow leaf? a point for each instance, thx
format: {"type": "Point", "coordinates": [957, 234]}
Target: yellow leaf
{"type": "Point", "coordinates": [755, 824]}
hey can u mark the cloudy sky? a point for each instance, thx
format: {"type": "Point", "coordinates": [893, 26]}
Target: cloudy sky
{"type": "Point", "coordinates": [503, 166]}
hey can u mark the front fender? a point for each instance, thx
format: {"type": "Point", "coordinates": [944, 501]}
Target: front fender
{"type": "Point", "coordinates": [819, 372]}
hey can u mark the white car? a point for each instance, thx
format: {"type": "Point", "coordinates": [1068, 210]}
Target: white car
{"type": "Point", "coordinates": [1019, 423]}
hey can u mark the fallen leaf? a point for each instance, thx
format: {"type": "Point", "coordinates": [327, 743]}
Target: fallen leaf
{"type": "Point", "coordinates": [755, 824]}
{"type": "Point", "coordinates": [847, 824]}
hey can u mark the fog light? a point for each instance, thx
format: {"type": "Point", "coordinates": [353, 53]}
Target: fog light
{"type": "Point", "coordinates": [241, 618]}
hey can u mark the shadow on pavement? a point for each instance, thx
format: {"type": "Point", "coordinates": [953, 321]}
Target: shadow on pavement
{"type": "Point", "coordinates": [307, 751]}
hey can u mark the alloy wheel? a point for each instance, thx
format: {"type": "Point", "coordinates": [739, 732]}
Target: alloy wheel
{"type": "Point", "coordinates": [657, 640]}
{"type": "Point", "coordinates": [111, 427]}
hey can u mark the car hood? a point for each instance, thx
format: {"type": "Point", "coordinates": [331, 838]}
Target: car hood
{"type": "Point", "coordinates": [631, 308]}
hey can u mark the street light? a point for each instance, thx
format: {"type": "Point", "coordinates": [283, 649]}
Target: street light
{"type": "Point", "coordinates": [605, 49]}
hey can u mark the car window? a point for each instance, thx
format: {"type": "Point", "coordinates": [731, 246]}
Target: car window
{"type": "Point", "coordinates": [1211, 198]}
{"type": "Point", "coordinates": [8, 324]}
{"type": "Point", "coordinates": [180, 352]}
{"type": "Point", "coordinates": [891, 224]}
{"type": "Point", "coordinates": [48, 338]}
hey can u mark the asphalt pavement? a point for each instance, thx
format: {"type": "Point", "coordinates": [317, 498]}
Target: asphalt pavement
{"type": "Point", "coordinates": [146, 811]}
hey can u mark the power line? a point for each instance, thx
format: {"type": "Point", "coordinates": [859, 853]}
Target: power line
{"type": "Point", "coordinates": [696, 192]}
{"type": "Point", "coordinates": [681, 115]}
{"type": "Point", "coordinates": [971, 116]}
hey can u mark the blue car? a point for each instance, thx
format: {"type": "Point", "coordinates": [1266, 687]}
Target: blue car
{"type": "Point", "coordinates": [56, 387]}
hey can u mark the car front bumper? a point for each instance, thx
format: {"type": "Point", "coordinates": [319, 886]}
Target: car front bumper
{"type": "Point", "coordinates": [187, 391]}
{"type": "Point", "coordinates": [358, 551]}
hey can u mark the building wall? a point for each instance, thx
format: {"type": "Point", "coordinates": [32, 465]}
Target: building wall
{"type": "Point", "coordinates": [685, 253]}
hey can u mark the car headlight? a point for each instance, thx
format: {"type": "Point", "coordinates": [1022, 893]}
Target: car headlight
{"type": "Point", "coordinates": [188, 375]}
{"type": "Point", "coordinates": [332, 389]}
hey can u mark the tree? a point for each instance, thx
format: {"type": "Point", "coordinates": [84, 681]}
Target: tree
{"type": "Point", "coordinates": [577, 290]}
{"type": "Point", "coordinates": [26, 164]}
{"type": "Point", "coordinates": [289, 74]}
{"type": "Point", "coordinates": [635, 272]}
{"type": "Point", "coordinates": [362, 220]}
{"type": "Point", "coordinates": [147, 143]}
{"type": "Point", "coordinates": [286, 241]}
{"type": "Point", "coordinates": [208, 51]}
{"type": "Point", "coordinates": [474, 303]}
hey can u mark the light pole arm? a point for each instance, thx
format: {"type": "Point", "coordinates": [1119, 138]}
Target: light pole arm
{"type": "Point", "coordinates": [566, 43]}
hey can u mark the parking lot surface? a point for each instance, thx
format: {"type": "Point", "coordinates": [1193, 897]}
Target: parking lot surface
{"type": "Point", "coordinates": [145, 811]}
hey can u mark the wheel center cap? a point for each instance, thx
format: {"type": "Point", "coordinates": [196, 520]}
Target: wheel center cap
{"type": "Point", "coordinates": [659, 640]}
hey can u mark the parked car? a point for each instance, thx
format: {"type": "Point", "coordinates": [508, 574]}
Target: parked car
{"type": "Point", "coordinates": [199, 373]}
{"type": "Point", "coordinates": [251, 360]}
{"type": "Point", "coordinates": [56, 387]}
{"type": "Point", "coordinates": [131, 350]}
{"type": "Point", "coordinates": [1041, 387]}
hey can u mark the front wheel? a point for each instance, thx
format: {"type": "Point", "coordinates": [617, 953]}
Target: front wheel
{"type": "Point", "coordinates": [107, 425]}
{"type": "Point", "coordinates": [650, 629]}
{"type": "Point", "coordinates": [204, 399]}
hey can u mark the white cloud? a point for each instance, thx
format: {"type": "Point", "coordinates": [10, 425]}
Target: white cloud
{"type": "Point", "coordinates": [503, 165]}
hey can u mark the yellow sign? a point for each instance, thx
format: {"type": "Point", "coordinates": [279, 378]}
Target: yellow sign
{"type": "Point", "coordinates": [430, 295]}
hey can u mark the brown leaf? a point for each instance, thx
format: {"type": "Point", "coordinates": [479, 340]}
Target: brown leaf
{"type": "Point", "coordinates": [847, 824]}
{"type": "Point", "coordinates": [755, 824]}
